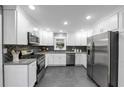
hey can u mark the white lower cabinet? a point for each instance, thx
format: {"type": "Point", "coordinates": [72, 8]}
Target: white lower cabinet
{"type": "Point", "coordinates": [77, 59]}
{"type": "Point", "coordinates": [49, 60]}
{"type": "Point", "coordinates": [56, 59]}
{"type": "Point", "coordinates": [60, 59]}
{"type": "Point", "coordinates": [32, 74]}
{"type": "Point", "coordinates": [20, 75]}
{"type": "Point", "coordinates": [81, 59]}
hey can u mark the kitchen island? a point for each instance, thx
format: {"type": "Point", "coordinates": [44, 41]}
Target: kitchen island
{"type": "Point", "coordinates": [21, 73]}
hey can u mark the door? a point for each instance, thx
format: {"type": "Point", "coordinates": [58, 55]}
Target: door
{"type": "Point", "coordinates": [101, 59]}
{"type": "Point", "coordinates": [1, 61]}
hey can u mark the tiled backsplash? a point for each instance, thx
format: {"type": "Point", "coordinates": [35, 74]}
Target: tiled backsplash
{"type": "Point", "coordinates": [9, 48]}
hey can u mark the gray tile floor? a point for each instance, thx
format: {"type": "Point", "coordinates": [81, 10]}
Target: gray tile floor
{"type": "Point", "coordinates": [66, 77]}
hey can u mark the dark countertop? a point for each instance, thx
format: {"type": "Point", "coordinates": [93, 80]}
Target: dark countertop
{"type": "Point", "coordinates": [21, 62]}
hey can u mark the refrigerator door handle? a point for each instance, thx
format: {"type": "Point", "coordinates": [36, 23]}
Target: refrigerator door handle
{"type": "Point", "coordinates": [93, 52]}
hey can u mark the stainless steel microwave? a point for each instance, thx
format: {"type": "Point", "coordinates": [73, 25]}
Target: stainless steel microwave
{"type": "Point", "coordinates": [33, 39]}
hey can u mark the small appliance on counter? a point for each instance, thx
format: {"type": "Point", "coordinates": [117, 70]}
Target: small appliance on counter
{"type": "Point", "coordinates": [77, 50]}
{"type": "Point", "coordinates": [15, 55]}
{"type": "Point", "coordinates": [44, 49]}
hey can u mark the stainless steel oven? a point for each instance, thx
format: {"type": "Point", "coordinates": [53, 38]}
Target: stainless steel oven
{"type": "Point", "coordinates": [40, 67]}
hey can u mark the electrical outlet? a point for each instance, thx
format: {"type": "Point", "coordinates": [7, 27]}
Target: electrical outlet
{"type": "Point", "coordinates": [5, 50]}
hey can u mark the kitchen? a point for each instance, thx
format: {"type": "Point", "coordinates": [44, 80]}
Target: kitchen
{"type": "Point", "coordinates": [48, 46]}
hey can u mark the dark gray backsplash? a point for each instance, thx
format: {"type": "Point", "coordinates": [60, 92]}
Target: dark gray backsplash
{"type": "Point", "coordinates": [8, 55]}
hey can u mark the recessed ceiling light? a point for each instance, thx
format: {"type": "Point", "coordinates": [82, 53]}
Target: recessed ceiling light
{"type": "Point", "coordinates": [35, 29]}
{"type": "Point", "coordinates": [66, 23]}
{"type": "Point", "coordinates": [32, 7]}
{"type": "Point", "coordinates": [61, 31]}
{"type": "Point", "coordinates": [88, 17]}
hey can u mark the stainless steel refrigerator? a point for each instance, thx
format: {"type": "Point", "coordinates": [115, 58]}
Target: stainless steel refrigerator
{"type": "Point", "coordinates": [102, 59]}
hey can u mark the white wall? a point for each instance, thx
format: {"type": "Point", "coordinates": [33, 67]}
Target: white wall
{"type": "Point", "coordinates": [121, 60]}
{"type": "Point", "coordinates": [121, 50]}
{"type": "Point", "coordinates": [1, 70]}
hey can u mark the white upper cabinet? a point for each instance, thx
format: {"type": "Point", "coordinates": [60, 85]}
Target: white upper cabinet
{"type": "Point", "coordinates": [10, 27]}
{"type": "Point", "coordinates": [109, 23]}
{"type": "Point", "coordinates": [71, 39]}
{"type": "Point", "coordinates": [77, 39]}
{"type": "Point", "coordinates": [23, 26]}
{"type": "Point", "coordinates": [16, 26]}
{"type": "Point", "coordinates": [46, 38]}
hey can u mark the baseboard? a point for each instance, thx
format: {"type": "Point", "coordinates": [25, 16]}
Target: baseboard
{"type": "Point", "coordinates": [94, 81]}
{"type": "Point", "coordinates": [84, 67]}
{"type": "Point", "coordinates": [65, 66]}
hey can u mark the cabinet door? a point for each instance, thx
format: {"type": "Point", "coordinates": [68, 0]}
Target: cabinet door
{"type": "Point", "coordinates": [43, 37]}
{"type": "Point", "coordinates": [50, 38]}
{"type": "Point", "coordinates": [84, 38]}
{"type": "Point", "coordinates": [84, 41]}
{"type": "Point", "coordinates": [16, 75]}
{"type": "Point", "coordinates": [60, 59]}
{"type": "Point", "coordinates": [77, 59]}
{"type": "Point", "coordinates": [46, 38]}
{"type": "Point", "coordinates": [32, 74]}
{"type": "Point", "coordinates": [23, 26]}
{"type": "Point", "coordinates": [10, 27]}
{"type": "Point", "coordinates": [83, 59]}
{"type": "Point", "coordinates": [69, 41]}
{"type": "Point", "coordinates": [49, 59]}
{"type": "Point", "coordinates": [56, 59]}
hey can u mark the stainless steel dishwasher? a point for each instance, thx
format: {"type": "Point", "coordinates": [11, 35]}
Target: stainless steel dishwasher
{"type": "Point", "coordinates": [70, 59]}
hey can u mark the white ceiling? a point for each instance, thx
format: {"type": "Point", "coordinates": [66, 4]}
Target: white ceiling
{"type": "Point", "coordinates": [53, 16]}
